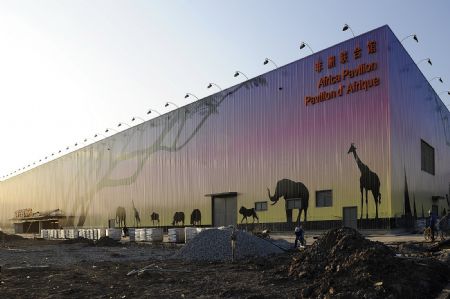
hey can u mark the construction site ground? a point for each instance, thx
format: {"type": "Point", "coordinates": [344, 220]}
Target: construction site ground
{"type": "Point", "coordinates": [34, 268]}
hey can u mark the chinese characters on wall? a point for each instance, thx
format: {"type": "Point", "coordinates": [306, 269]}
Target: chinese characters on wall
{"type": "Point", "coordinates": [345, 75]}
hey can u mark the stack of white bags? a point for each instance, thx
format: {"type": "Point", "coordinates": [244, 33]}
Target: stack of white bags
{"type": "Point", "coordinates": [148, 235]}
{"type": "Point", "coordinates": [176, 235]}
{"type": "Point", "coordinates": [114, 233]}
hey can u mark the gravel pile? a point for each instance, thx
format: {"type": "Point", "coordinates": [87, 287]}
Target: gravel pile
{"type": "Point", "coordinates": [215, 245]}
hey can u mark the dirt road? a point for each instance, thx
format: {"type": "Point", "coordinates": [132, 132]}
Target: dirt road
{"type": "Point", "coordinates": [52, 269]}
{"type": "Point", "coordinates": [81, 270]}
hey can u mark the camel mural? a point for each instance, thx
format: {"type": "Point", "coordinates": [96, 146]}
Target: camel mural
{"type": "Point", "coordinates": [368, 181]}
{"type": "Point", "coordinates": [291, 190]}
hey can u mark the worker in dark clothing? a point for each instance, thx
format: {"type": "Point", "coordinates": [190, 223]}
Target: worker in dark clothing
{"type": "Point", "coordinates": [432, 224]}
{"type": "Point", "coordinates": [125, 231]}
{"type": "Point", "coordinates": [299, 236]}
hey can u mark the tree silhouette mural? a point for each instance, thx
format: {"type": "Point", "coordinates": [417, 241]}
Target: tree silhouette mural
{"type": "Point", "coordinates": [170, 139]}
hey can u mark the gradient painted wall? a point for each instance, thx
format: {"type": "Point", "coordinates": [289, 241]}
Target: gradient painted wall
{"type": "Point", "coordinates": [243, 140]}
{"type": "Point", "coordinates": [416, 113]}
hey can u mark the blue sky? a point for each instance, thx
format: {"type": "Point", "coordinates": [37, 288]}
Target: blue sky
{"type": "Point", "coordinates": [70, 69]}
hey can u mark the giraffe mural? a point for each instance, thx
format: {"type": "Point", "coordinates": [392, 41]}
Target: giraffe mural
{"type": "Point", "coordinates": [368, 181]}
{"type": "Point", "coordinates": [137, 218]}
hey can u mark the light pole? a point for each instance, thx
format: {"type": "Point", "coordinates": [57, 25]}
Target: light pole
{"type": "Point", "coordinates": [99, 134]}
{"type": "Point", "coordinates": [425, 59]}
{"type": "Point", "coordinates": [346, 27]}
{"type": "Point", "coordinates": [213, 84]}
{"type": "Point", "coordinates": [190, 95]}
{"type": "Point", "coordinates": [303, 44]}
{"type": "Point", "coordinates": [171, 103]}
{"type": "Point", "coordinates": [108, 129]}
{"type": "Point", "coordinates": [237, 73]}
{"type": "Point", "coordinates": [267, 60]}
{"type": "Point", "coordinates": [122, 123]}
{"type": "Point", "coordinates": [153, 110]}
{"type": "Point", "coordinates": [414, 36]}
{"type": "Point", "coordinates": [137, 117]}
{"type": "Point", "coordinates": [438, 78]}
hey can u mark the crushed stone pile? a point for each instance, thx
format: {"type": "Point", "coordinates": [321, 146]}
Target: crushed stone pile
{"type": "Point", "coordinates": [344, 264]}
{"type": "Point", "coordinates": [6, 237]}
{"type": "Point", "coordinates": [214, 245]}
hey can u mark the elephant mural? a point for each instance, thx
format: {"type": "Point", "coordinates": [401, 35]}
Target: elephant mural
{"type": "Point", "coordinates": [289, 189]}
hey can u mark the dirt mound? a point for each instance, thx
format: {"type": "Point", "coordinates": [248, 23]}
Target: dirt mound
{"type": "Point", "coordinates": [6, 237]}
{"type": "Point", "coordinates": [105, 242]}
{"type": "Point", "coordinates": [344, 264]}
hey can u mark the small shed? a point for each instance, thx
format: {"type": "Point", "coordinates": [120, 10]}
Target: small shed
{"type": "Point", "coordinates": [28, 222]}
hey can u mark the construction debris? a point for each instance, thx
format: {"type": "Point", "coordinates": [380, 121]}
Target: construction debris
{"type": "Point", "coordinates": [344, 264]}
{"type": "Point", "coordinates": [444, 244]}
{"type": "Point", "coordinates": [106, 241]}
{"type": "Point", "coordinates": [154, 268]}
{"type": "Point", "coordinates": [7, 237]}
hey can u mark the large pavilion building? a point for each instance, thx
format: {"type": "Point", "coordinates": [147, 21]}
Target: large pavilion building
{"type": "Point", "coordinates": [352, 135]}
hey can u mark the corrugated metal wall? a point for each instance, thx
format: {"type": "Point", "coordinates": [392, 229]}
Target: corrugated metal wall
{"type": "Point", "coordinates": [244, 139]}
{"type": "Point", "coordinates": [416, 113]}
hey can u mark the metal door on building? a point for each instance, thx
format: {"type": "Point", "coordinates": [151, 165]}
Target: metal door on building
{"type": "Point", "coordinates": [224, 211]}
{"type": "Point", "coordinates": [350, 217]}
